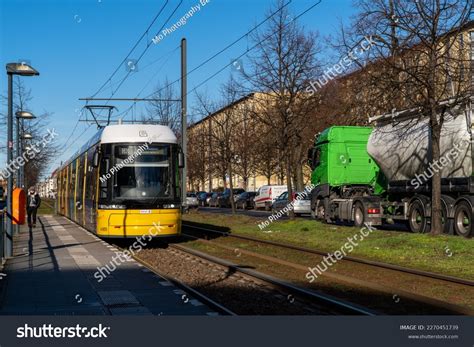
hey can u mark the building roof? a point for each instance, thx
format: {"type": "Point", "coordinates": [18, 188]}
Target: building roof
{"type": "Point", "coordinates": [244, 98]}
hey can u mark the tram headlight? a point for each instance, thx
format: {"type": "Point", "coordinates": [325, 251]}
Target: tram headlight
{"type": "Point", "coordinates": [170, 206]}
{"type": "Point", "coordinates": [112, 207]}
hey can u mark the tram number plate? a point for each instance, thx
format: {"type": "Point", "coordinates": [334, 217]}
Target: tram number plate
{"type": "Point", "coordinates": [145, 211]}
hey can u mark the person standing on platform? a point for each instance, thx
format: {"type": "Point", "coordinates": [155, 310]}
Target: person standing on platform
{"type": "Point", "coordinates": [32, 205]}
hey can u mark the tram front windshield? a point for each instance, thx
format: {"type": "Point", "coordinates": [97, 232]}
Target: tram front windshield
{"type": "Point", "coordinates": [142, 173]}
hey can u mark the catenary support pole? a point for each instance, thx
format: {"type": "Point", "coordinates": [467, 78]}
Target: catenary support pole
{"type": "Point", "coordinates": [184, 140]}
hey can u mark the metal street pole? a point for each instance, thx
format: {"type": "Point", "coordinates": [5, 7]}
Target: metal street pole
{"type": "Point", "coordinates": [16, 229]}
{"type": "Point", "coordinates": [184, 121]}
{"type": "Point", "coordinates": [22, 168]}
{"type": "Point", "coordinates": [9, 235]}
{"type": "Point", "coordinates": [17, 149]}
{"type": "Point", "coordinates": [20, 69]}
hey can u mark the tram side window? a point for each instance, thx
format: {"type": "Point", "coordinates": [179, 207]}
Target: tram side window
{"type": "Point", "coordinates": [72, 180]}
{"type": "Point", "coordinates": [64, 186]}
{"type": "Point", "coordinates": [80, 178]}
{"type": "Point", "coordinates": [104, 170]}
{"type": "Point", "coordinates": [91, 177]}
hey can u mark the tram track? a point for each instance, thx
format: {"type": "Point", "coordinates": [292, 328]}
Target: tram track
{"type": "Point", "coordinates": [448, 307]}
{"type": "Point", "coordinates": [280, 297]}
{"type": "Point", "coordinates": [339, 306]}
{"type": "Point", "coordinates": [450, 279]}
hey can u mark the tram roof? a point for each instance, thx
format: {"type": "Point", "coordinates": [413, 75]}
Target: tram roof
{"type": "Point", "coordinates": [128, 133]}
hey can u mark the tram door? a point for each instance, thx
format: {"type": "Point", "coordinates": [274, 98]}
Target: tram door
{"type": "Point", "coordinates": [72, 190]}
{"type": "Point", "coordinates": [90, 198]}
{"type": "Point", "coordinates": [79, 205]}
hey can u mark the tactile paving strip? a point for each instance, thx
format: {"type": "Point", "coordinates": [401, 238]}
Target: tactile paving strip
{"type": "Point", "coordinates": [117, 298]}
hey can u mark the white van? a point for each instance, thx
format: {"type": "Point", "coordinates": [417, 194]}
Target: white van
{"type": "Point", "coordinates": [266, 195]}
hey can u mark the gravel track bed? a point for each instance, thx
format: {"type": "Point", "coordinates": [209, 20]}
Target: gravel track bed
{"type": "Point", "coordinates": [241, 294]}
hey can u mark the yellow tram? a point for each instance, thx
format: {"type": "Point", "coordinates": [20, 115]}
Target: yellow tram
{"type": "Point", "coordinates": [124, 182]}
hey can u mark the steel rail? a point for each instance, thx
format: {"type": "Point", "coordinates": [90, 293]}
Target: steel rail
{"type": "Point", "coordinates": [329, 301]}
{"type": "Point", "coordinates": [450, 279]}
{"type": "Point", "coordinates": [351, 280]}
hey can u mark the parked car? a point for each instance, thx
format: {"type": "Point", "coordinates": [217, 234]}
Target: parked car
{"type": "Point", "coordinates": [202, 198]}
{"type": "Point", "coordinates": [208, 199]}
{"type": "Point", "coordinates": [191, 200]}
{"type": "Point", "coordinates": [301, 203]}
{"type": "Point", "coordinates": [224, 199]}
{"type": "Point", "coordinates": [246, 200]}
{"type": "Point", "coordinates": [213, 201]}
{"type": "Point", "coordinates": [266, 195]}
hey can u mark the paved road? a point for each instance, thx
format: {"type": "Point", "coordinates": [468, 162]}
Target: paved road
{"type": "Point", "coordinates": [265, 214]}
{"type": "Point", "coordinates": [250, 213]}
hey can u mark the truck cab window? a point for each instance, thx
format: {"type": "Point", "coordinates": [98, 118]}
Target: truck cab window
{"type": "Point", "coordinates": [317, 157]}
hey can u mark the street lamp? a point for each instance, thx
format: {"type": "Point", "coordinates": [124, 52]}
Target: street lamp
{"type": "Point", "coordinates": [25, 115]}
{"type": "Point", "coordinates": [27, 136]}
{"type": "Point", "coordinates": [19, 69]}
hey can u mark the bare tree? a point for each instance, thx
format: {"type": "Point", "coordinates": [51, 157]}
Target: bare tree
{"type": "Point", "coordinates": [417, 62]}
{"type": "Point", "coordinates": [222, 136]}
{"type": "Point", "coordinates": [246, 138]}
{"type": "Point", "coordinates": [165, 110]}
{"type": "Point", "coordinates": [266, 156]}
{"type": "Point", "coordinates": [39, 165]}
{"type": "Point", "coordinates": [281, 67]}
{"type": "Point", "coordinates": [197, 164]}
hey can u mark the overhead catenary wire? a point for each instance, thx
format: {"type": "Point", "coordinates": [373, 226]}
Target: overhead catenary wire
{"type": "Point", "coordinates": [73, 130]}
{"type": "Point", "coordinates": [146, 49]}
{"type": "Point", "coordinates": [133, 48]}
{"type": "Point", "coordinates": [124, 60]}
{"type": "Point", "coordinates": [142, 68]}
{"type": "Point", "coordinates": [73, 142]}
{"type": "Point", "coordinates": [219, 52]}
{"type": "Point", "coordinates": [169, 55]}
{"type": "Point", "coordinates": [233, 43]}
{"type": "Point", "coordinates": [227, 47]}
{"type": "Point", "coordinates": [140, 57]}
{"type": "Point", "coordinates": [142, 54]}
{"type": "Point", "coordinates": [253, 47]}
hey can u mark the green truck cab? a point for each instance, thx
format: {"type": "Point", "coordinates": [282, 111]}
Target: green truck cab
{"type": "Point", "coordinates": [339, 158]}
{"type": "Point", "coordinates": [347, 181]}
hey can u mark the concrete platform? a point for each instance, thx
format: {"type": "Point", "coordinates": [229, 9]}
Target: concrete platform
{"type": "Point", "coordinates": [54, 272]}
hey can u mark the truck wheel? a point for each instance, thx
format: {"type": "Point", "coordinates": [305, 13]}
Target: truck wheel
{"type": "Point", "coordinates": [320, 210]}
{"type": "Point", "coordinates": [417, 218]}
{"type": "Point", "coordinates": [359, 214]}
{"type": "Point", "coordinates": [463, 219]}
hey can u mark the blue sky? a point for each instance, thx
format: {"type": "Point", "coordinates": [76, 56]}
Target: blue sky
{"type": "Point", "coordinates": [77, 44]}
